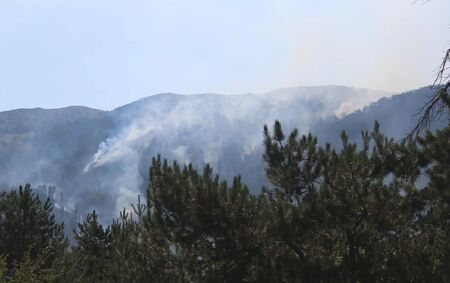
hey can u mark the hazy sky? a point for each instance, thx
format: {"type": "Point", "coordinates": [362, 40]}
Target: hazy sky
{"type": "Point", "coordinates": [104, 54]}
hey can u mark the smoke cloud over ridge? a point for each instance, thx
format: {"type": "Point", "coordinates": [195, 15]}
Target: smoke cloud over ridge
{"type": "Point", "coordinates": [211, 129]}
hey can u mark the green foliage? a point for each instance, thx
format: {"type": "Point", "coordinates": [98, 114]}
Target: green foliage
{"type": "Point", "coordinates": [31, 242]}
{"type": "Point", "coordinates": [141, 254]}
{"type": "Point", "coordinates": [358, 215]}
{"type": "Point", "coordinates": [126, 251]}
{"type": "Point", "coordinates": [3, 269]}
{"type": "Point", "coordinates": [374, 212]}
{"type": "Point", "coordinates": [210, 227]}
{"type": "Point", "coordinates": [33, 271]}
{"type": "Point", "coordinates": [93, 250]}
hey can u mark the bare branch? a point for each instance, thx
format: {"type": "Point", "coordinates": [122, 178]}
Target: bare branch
{"type": "Point", "coordinates": [435, 107]}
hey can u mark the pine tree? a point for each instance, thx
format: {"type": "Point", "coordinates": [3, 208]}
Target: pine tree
{"type": "Point", "coordinates": [93, 251]}
{"type": "Point", "coordinates": [210, 226]}
{"type": "Point", "coordinates": [140, 253]}
{"type": "Point", "coordinates": [377, 211]}
{"type": "Point", "coordinates": [28, 231]}
{"type": "Point", "coordinates": [345, 216]}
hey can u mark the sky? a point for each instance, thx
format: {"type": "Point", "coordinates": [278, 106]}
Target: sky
{"type": "Point", "coordinates": [104, 54]}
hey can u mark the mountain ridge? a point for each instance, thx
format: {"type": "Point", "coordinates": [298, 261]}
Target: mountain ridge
{"type": "Point", "coordinates": [24, 120]}
{"type": "Point", "coordinates": [104, 158]}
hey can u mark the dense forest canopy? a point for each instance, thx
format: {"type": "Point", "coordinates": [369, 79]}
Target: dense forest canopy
{"type": "Point", "coordinates": [102, 161]}
{"type": "Point", "coordinates": [320, 183]}
{"type": "Point", "coordinates": [374, 212]}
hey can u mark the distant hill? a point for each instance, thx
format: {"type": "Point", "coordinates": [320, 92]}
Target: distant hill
{"type": "Point", "coordinates": [22, 121]}
{"type": "Point", "coordinates": [99, 160]}
{"type": "Point", "coordinates": [397, 115]}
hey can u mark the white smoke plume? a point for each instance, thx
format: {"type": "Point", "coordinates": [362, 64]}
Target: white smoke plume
{"type": "Point", "coordinates": [211, 129]}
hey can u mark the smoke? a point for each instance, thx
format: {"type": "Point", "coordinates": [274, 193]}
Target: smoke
{"type": "Point", "coordinates": [359, 102]}
{"type": "Point", "coordinates": [395, 45]}
{"type": "Point", "coordinates": [102, 162]}
{"type": "Point", "coordinates": [221, 130]}
{"type": "Point", "coordinates": [124, 145]}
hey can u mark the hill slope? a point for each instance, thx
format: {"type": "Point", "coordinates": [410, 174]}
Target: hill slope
{"type": "Point", "coordinates": [38, 119]}
{"type": "Point", "coordinates": [397, 115]}
{"type": "Point", "coordinates": [103, 159]}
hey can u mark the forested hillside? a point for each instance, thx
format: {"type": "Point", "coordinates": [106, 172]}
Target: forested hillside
{"type": "Point", "coordinates": [397, 116]}
{"type": "Point", "coordinates": [353, 214]}
{"type": "Point", "coordinates": [20, 130]}
{"type": "Point", "coordinates": [224, 141]}
{"type": "Point", "coordinates": [100, 160]}
{"type": "Point", "coordinates": [22, 121]}
{"type": "Point", "coordinates": [103, 159]}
